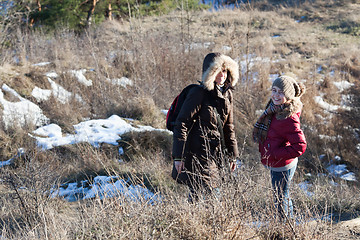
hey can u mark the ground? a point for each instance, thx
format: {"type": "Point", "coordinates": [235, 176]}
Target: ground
{"type": "Point", "coordinates": [349, 229]}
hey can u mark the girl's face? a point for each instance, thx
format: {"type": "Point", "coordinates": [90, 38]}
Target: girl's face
{"type": "Point", "coordinates": [221, 77]}
{"type": "Point", "coordinates": [277, 96]}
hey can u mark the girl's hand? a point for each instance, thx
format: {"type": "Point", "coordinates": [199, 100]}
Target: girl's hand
{"type": "Point", "coordinates": [179, 165]}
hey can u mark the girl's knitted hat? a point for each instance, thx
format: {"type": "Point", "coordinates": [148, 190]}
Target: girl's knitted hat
{"type": "Point", "coordinates": [289, 86]}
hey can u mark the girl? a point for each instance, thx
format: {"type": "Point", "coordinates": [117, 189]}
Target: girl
{"type": "Point", "coordinates": [205, 121]}
{"type": "Point", "coordinates": [280, 139]}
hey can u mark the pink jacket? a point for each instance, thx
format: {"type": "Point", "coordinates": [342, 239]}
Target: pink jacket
{"type": "Point", "coordinates": [285, 141]}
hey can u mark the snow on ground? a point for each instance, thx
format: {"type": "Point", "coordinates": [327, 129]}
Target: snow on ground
{"type": "Point", "coordinates": [20, 152]}
{"type": "Point", "coordinates": [248, 62]}
{"type": "Point", "coordinates": [21, 112]}
{"type": "Point", "coordinates": [41, 64]}
{"type": "Point", "coordinates": [342, 172]}
{"type": "Point", "coordinates": [343, 85]}
{"type": "Point", "coordinates": [41, 94]}
{"type": "Point", "coordinates": [52, 75]}
{"type": "Point", "coordinates": [104, 187]}
{"type": "Point", "coordinates": [79, 74]}
{"type": "Point", "coordinates": [109, 131]}
{"type": "Point", "coordinates": [305, 186]}
{"type": "Point", "coordinates": [123, 81]}
{"type": "Point", "coordinates": [326, 106]}
{"type": "Point", "coordinates": [60, 93]}
{"type": "Point", "coordinates": [94, 132]}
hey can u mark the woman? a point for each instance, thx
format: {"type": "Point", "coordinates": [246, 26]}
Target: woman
{"type": "Point", "coordinates": [199, 133]}
{"type": "Point", "coordinates": [281, 141]}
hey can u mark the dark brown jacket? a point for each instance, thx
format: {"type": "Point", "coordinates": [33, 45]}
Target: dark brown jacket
{"type": "Point", "coordinates": [197, 138]}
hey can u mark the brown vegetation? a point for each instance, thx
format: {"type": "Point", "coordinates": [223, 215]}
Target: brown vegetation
{"type": "Point", "coordinates": [161, 55]}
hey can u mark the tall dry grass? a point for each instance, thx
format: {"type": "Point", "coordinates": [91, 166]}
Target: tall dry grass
{"type": "Point", "coordinates": [161, 55]}
{"type": "Point", "coordinates": [243, 210]}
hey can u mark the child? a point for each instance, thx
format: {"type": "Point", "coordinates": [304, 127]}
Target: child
{"type": "Point", "coordinates": [207, 113]}
{"type": "Point", "coordinates": [281, 141]}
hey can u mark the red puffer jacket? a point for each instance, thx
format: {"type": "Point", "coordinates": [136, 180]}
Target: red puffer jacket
{"type": "Point", "coordinates": [285, 141]}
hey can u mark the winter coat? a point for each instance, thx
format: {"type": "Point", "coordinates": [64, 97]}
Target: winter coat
{"type": "Point", "coordinates": [196, 137]}
{"type": "Point", "coordinates": [284, 143]}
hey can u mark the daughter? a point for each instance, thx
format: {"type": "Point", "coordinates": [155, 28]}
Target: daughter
{"type": "Point", "coordinates": [281, 141]}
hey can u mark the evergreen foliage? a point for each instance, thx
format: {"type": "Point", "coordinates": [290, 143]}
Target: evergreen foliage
{"type": "Point", "coordinates": [76, 14]}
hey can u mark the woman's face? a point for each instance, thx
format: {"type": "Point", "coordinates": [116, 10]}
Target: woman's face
{"type": "Point", "coordinates": [221, 77]}
{"type": "Point", "coordinates": [277, 96]}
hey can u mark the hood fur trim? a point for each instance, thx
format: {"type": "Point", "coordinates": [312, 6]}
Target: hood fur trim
{"type": "Point", "coordinates": [294, 107]}
{"type": "Point", "coordinates": [216, 66]}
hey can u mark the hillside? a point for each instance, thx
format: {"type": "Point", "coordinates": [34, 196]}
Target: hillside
{"type": "Point", "coordinates": [118, 78]}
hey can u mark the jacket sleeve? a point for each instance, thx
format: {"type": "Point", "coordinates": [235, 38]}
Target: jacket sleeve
{"type": "Point", "coordinates": [185, 120]}
{"type": "Point", "coordinates": [229, 132]}
{"type": "Point", "coordinates": [295, 137]}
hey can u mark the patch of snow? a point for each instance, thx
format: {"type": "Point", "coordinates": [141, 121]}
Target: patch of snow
{"type": "Point", "coordinates": [305, 187]}
{"type": "Point", "coordinates": [337, 170]}
{"type": "Point", "coordinates": [51, 130]}
{"type": "Point", "coordinates": [272, 77]}
{"type": "Point", "coordinates": [164, 111]}
{"type": "Point", "coordinates": [329, 107]}
{"type": "Point", "coordinates": [319, 69]}
{"type": "Point", "coordinates": [20, 152]}
{"type": "Point", "coordinates": [6, 163]}
{"type": "Point", "coordinates": [333, 183]}
{"type": "Point", "coordinates": [52, 74]}
{"type": "Point", "coordinates": [94, 132]}
{"type": "Point", "coordinates": [22, 112]}
{"type": "Point", "coordinates": [41, 94]}
{"type": "Point", "coordinates": [343, 85]}
{"type": "Point", "coordinates": [123, 81]}
{"type": "Point", "coordinates": [62, 95]}
{"type": "Point", "coordinates": [346, 101]}
{"type": "Point", "coordinates": [121, 151]}
{"type": "Point", "coordinates": [250, 61]}
{"type": "Point", "coordinates": [79, 74]}
{"type": "Point", "coordinates": [349, 177]}
{"type": "Point", "coordinates": [330, 138]}
{"type": "Point", "coordinates": [194, 46]}
{"type": "Point", "coordinates": [341, 172]}
{"type": "Point", "coordinates": [104, 187]}
{"type": "Point", "coordinates": [59, 92]}
{"type": "Point", "coordinates": [226, 48]}
{"type": "Point", "coordinates": [41, 64]}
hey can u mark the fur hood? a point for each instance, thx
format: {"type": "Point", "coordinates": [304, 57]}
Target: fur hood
{"type": "Point", "coordinates": [214, 65]}
{"type": "Point", "coordinates": [294, 106]}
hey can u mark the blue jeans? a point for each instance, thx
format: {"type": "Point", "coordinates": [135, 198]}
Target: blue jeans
{"type": "Point", "coordinates": [281, 184]}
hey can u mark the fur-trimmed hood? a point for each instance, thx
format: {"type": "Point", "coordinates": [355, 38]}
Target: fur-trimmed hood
{"type": "Point", "coordinates": [213, 64]}
{"type": "Point", "coordinates": [293, 106]}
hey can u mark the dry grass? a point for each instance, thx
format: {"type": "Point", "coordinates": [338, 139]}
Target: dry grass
{"type": "Point", "coordinates": [243, 211]}
{"type": "Point", "coordinates": [161, 55]}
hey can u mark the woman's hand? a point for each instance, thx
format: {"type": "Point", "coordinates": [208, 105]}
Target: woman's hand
{"type": "Point", "coordinates": [179, 165]}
